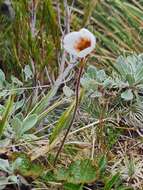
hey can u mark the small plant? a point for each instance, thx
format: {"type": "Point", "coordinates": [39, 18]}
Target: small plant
{"type": "Point", "coordinates": [78, 44]}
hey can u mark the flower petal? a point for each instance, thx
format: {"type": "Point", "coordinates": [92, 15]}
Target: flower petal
{"type": "Point", "coordinates": [79, 43]}
{"type": "Point", "coordinates": [69, 42]}
{"type": "Point", "coordinates": [85, 52]}
{"type": "Point", "coordinates": [87, 33]}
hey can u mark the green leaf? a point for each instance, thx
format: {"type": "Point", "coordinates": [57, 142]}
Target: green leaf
{"type": "Point", "coordinates": [102, 164]}
{"type": "Point", "coordinates": [130, 78]}
{"type": "Point", "coordinates": [121, 66]}
{"type": "Point", "coordinates": [67, 91]}
{"type": "Point", "coordinates": [131, 166]}
{"type": "Point", "coordinates": [28, 73]}
{"type": "Point", "coordinates": [29, 123]}
{"type": "Point", "coordinates": [25, 167]}
{"type": "Point", "coordinates": [4, 165]}
{"type": "Point", "coordinates": [36, 170]}
{"type": "Point", "coordinates": [50, 109]}
{"type": "Point", "coordinates": [44, 102]}
{"type": "Point", "coordinates": [29, 137]}
{"type": "Point", "coordinates": [93, 78]}
{"type": "Point", "coordinates": [6, 114]}
{"type": "Point", "coordinates": [92, 72]}
{"type": "Point", "coordinates": [96, 94]}
{"type": "Point", "coordinates": [89, 84]}
{"type": "Point", "coordinates": [16, 81]}
{"type": "Point", "coordinates": [18, 105]}
{"type": "Point", "coordinates": [63, 123]}
{"type": "Point", "coordinates": [127, 95]}
{"type": "Point", "coordinates": [2, 108]}
{"type": "Point", "coordinates": [3, 182]}
{"type": "Point", "coordinates": [101, 75]}
{"type": "Point", "coordinates": [22, 164]}
{"type": "Point", "coordinates": [13, 178]}
{"type": "Point", "coordinates": [115, 179]}
{"type": "Point", "coordinates": [2, 78]}
{"type": "Point", "coordinates": [70, 186]}
{"type": "Point", "coordinates": [81, 171]}
{"type": "Point", "coordinates": [48, 177]}
{"type": "Point", "coordinates": [17, 126]}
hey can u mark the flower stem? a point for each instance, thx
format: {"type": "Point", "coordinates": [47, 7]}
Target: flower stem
{"type": "Point", "coordinates": [74, 112]}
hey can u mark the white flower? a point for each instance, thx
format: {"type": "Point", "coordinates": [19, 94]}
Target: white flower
{"type": "Point", "coordinates": [80, 43]}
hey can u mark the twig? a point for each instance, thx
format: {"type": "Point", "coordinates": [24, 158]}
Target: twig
{"type": "Point", "coordinates": [58, 82]}
{"type": "Point", "coordinates": [59, 17]}
{"type": "Point", "coordinates": [67, 17]}
{"type": "Point", "coordinates": [24, 88]}
{"type": "Point", "coordinates": [48, 76]}
{"type": "Point", "coordinates": [63, 60]}
{"type": "Point", "coordinates": [88, 126]}
{"type": "Point", "coordinates": [33, 18]}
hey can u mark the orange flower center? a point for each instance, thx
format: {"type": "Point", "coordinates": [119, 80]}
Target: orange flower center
{"type": "Point", "coordinates": [82, 44]}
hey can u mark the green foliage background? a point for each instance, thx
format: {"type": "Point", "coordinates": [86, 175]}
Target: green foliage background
{"type": "Point", "coordinates": [31, 54]}
{"type": "Point", "coordinates": [117, 25]}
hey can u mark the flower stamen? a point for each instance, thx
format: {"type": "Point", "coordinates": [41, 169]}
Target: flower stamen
{"type": "Point", "coordinates": [82, 44]}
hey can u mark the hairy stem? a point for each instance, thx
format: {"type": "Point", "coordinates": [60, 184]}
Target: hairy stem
{"type": "Point", "coordinates": [74, 113]}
